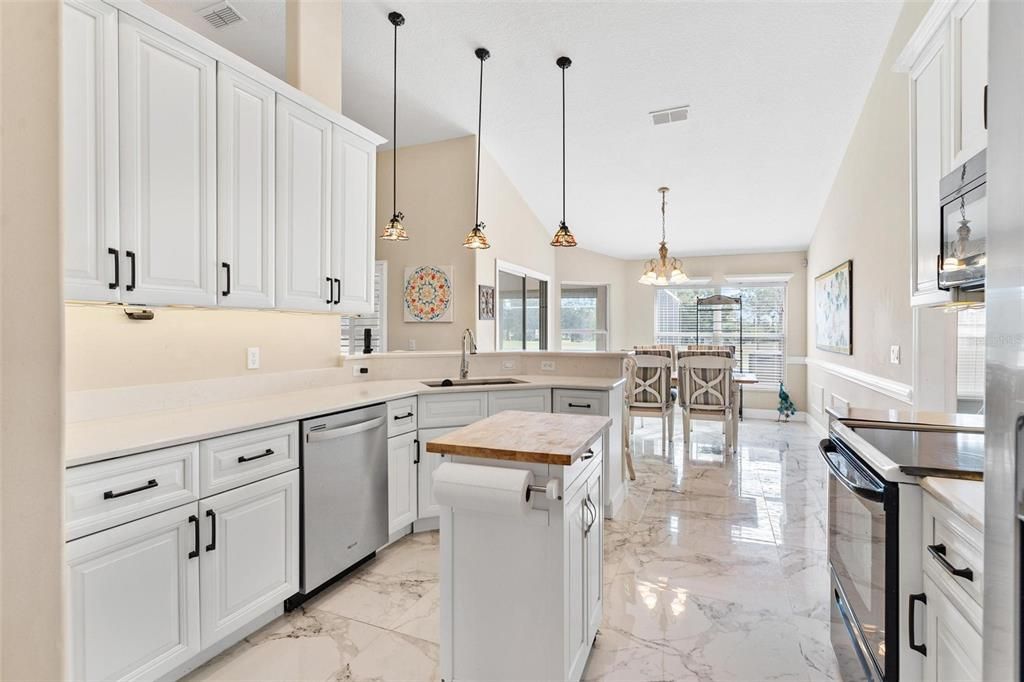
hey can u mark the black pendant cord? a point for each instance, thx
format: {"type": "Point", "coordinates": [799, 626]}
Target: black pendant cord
{"type": "Point", "coordinates": [563, 146]}
{"type": "Point", "coordinates": [394, 132]}
{"type": "Point", "coordinates": [479, 130]}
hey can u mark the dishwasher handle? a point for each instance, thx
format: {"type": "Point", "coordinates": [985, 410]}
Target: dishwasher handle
{"type": "Point", "coordinates": [342, 431]}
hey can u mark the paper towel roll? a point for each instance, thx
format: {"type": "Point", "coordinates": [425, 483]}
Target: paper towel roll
{"type": "Point", "coordinates": [494, 490]}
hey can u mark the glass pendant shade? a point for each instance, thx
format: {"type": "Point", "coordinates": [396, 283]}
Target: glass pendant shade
{"type": "Point", "coordinates": [476, 239]}
{"type": "Point", "coordinates": [664, 269]}
{"type": "Point", "coordinates": [394, 231]}
{"type": "Point", "coordinates": [563, 237]}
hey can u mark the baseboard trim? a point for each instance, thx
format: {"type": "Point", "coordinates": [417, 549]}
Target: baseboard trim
{"type": "Point", "coordinates": [893, 389]}
{"type": "Point", "coordinates": [771, 415]}
{"type": "Point", "coordinates": [817, 427]}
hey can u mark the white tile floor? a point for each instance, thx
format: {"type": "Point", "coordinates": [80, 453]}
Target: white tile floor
{"type": "Point", "coordinates": [714, 570]}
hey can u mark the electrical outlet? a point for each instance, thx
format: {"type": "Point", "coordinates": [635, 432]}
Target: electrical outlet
{"type": "Point", "coordinates": [360, 370]}
{"type": "Point", "coordinates": [252, 358]}
{"type": "Point", "coordinates": [412, 344]}
{"type": "Point", "coordinates": [509, 363]}
{"type": "Point", "coordinates": [894, 355]}
{"type": "Point", "coordinates": [547, 365]}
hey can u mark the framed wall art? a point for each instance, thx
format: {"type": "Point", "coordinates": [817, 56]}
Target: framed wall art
{"type": "Point", "coordinates": [833, 309]}
{"type": "Point", "coordinates": [485, 301]}
{"type": "Point", "coordinates": [429, 294]}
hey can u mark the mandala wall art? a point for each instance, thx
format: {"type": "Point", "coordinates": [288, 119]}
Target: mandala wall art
{"type": "Point", "coordinates": [429, 293]}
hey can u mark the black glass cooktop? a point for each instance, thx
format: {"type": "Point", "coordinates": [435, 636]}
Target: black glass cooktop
{"type": "Point", "coordinates": [930, 453]}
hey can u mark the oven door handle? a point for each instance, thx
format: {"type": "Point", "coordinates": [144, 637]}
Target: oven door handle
{"type": "Point", "coordinates": [828, 452]}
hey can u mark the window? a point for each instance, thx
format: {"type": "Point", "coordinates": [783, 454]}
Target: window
{"type": "Point", "coordinates": [352, 326]}
{"type": "Point", "coordinates": [763, 348]}
{"type": "Point", "coordinates": [970, 361]}
{"type": "Point", "coordinates": [522, 309]}
{"type": "Point", "coordinates": [584, 316]}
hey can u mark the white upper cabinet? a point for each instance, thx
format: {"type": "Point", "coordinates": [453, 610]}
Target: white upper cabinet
{"type": "Point", "coordinates": [352, 229]}
{"type": "Point", "coordinates": [304, 147]}
{"type": "Point", "coordinates": [91, 229]}
{"type": "Point", "coordinates": [929, 158]}
{"type": "Point", "coordinates": [168, 168]}
{"type": "Point", "coordinates": [245, 191]}
{"type": "Point", "coordinates": [969, 34]}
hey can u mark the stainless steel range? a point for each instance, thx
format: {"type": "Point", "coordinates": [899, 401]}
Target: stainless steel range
{"type": "Point", "coordinates": [874, 540]}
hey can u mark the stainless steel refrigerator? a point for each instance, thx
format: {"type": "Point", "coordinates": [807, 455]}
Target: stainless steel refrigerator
{"type": "Point", "coordinates": [1004, 359]}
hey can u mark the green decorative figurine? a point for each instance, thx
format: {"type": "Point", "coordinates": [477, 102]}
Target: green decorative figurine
{"type": "Point", "coordinates": [786, 408]}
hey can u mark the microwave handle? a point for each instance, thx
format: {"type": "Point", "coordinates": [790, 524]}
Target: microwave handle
{"type": "Point", "coordinates": [872, 494]}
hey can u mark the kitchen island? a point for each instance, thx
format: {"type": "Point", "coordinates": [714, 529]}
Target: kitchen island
{"type": "Point", "coordinates": [521, 545]}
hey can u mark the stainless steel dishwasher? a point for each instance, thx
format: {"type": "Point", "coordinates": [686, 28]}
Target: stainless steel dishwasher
{"type": "Point", "coordinates": [344, 492]}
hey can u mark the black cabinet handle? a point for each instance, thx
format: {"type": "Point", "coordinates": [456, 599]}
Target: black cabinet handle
{"type": "Point", "coordinates": [337, 298]}
{"type": "Point", "coordinates": [417, 460]}
{"type": "Point", "coordinates": [583, 406]}
{"type": "Point", "coordinates": [984, 110]}
{"type": "Point", "coordinates": [110, 494]}
{"type": "Point", "coordinates": [117, 268]}
{"type": "Point", "coordinates": [266, 453]}
{"type": "Point", "coordinates": [193, 519]}
{"type": "Point", "coordinates": [938, 552]}
{"type": "Point", "coordinates": [399, 417]}
{"type": "Point", "coordinates": [330, 293]}
{"type": "Point", "coordinates": [227, 279]}
{"type": "Point", "coordinates": [131, 257]}
{"type": "Point", "coordinates": [919, 648]}
{"type": "Point", "coordinates": [212, 515]}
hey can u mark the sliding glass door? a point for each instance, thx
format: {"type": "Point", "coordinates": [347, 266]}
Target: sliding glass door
{"type": "Point", "coordinates": [523, 310]}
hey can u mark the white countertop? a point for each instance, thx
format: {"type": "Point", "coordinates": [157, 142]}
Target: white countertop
{"type": "Point", "coordinates": [100, 439]}
{"type": "Point", "coordinates": [965, 498]}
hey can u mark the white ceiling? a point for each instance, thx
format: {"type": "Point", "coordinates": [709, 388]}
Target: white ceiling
{"type": "Point", "coordinates": [775, 89]}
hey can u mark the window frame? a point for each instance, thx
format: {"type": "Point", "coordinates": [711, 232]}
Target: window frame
{"type": "Point", "coordinates": [508, 268]}
{"type": "Point", "coordinates": [382, 313]}
{"type": "Point", "coordinates": [607, 331]}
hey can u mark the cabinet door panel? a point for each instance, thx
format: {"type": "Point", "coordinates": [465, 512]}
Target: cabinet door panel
{"type": "Point", "coordinates": [251, 563]}
{"type": "Point", "coordinates": [970, 76]}
{"type": "Point", "coordinates": [245, 191]}
{"type": "Point", "coordinates": [168, 171]}
{"type": "Point", "coordinates": [577, 518]}
{"type": "Point", "coordinates": [303, 208]}
{"type": "Point", "coordinates": [133, 598]}
{"type": "Point", "coordinates": [954, 646]}
{"type": "Point", "coordinates": [595, 555]}
{"type": "Point", "coordinates": [429, 462]}
{"type": "Point", "coordinates": [352, 242]}
{"type": "Point", "coordinates": [90, 163]}
{"type": "Point", "coordinates": [402, 481]}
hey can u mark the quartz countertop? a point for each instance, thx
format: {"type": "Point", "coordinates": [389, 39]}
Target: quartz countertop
{"type": "Point", "coordinates": [909, 419]}
{"type": "Point", "coordinates": [965, 498]}
{"type": "Point", "coordinates": [558, 439]}
{"type": "Point", "coordinates": [101, 439]}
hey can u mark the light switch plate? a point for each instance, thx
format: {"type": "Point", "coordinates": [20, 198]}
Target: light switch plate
{"type": "Point", "coordinates": [252, 358]}
{"type": "Point", "coordinates": [412, 344]}
{"type": "Point", "coordinates": [894, 355]}
{"type": "Point", "coordinates": [547, 365]}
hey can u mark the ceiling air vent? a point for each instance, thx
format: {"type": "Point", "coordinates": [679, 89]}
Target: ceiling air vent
{"type": "Point", "coordinates": [220, 15]}
{"type": "Point", "coordinates": [672, 115]}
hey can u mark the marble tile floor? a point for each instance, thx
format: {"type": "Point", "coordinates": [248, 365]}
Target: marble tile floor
{"type": "Point", "coordinates": [714, 570]}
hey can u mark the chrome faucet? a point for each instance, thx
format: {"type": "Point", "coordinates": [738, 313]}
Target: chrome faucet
{"type": "Point", "coordinates": [464, 367]}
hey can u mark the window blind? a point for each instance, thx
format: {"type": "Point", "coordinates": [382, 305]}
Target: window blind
{"type": "Point", "coordinates": [970, 353]}
{"type": "Point", "coordinates": [352, 326]}
{"type": "Point", "coordinates": [763, 347]}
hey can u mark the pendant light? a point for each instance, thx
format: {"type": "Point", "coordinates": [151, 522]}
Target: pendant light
{"type": "Point", "coordinates": [563, 237]}
{"type": "Point", "coordinates": [394, 231]}
{"type": "Point", "coordinates": [663, 270]}
{"type": "Point", "coordinates": [476, 239]}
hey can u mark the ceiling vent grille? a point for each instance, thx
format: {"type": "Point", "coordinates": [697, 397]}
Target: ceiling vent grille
{"type": "Point", "coordinates": [220, 15]}
{"type": "Point", "coordinates": [672, 115]}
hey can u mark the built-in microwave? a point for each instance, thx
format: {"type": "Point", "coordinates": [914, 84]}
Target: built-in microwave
{"type": "Point", "coordinates": [964, 216]}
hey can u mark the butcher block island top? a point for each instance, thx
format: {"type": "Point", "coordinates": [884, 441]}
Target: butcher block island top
{"type": "Point", "coordinates": [535, 437]}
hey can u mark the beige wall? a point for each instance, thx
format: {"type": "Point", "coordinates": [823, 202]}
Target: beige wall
{"type": "Point", "coordinates": [517, 237]}
{"type": "Point", "coordinates": [106, 349]}
{"type": "Point", "coordinates": [640, 311]}
{"type": "Point", "coordinates": [31, 335]}
{"type": "Point", "coordinates": [866, 219]}
{"type": "Point", "coordinates": [313, 48]}
{"type": "Point", "coordinates": [435, 192]}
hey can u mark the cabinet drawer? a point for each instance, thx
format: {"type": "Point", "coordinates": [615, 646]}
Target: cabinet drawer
{"type": "Point", "coordinates": [231, 461]}
{"type": "Point", "coordinates": [952, 547]}
{"type": "Point", "coordinates": [401, 416]}
{"type": "Point", "coordinates": [533, 400]}
{"type": "Point", "coordinates": [451, 409]}
{"type": "Point", "coordinates": [580, 402]}
{"type": "Point", "coordinates": [106, 494]}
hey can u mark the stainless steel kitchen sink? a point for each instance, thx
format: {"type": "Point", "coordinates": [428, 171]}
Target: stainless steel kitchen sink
{"type": "Point", "coordinates": [496, 381]}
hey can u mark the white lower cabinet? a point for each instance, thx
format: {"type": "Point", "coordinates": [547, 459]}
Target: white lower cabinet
{"type": "Point", "coordinates": [133, 593]}
{"type": "Point", "coordinates": [428, 463]}
{"type": "Point", "coordinates": [403, 483]}
{"type": "Point", "coordinates": [250, 555]}
{"type": "Point", "coordinates": [954, 646]}
{"type": "Point", "coordinates": [584, 568]}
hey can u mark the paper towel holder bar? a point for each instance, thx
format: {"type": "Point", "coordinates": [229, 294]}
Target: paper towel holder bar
{"type": "Point", "coordinates": [550, 490]}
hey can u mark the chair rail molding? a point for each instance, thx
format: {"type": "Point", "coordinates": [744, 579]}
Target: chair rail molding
{"type": "Point", "coordinates": [893, 389]}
